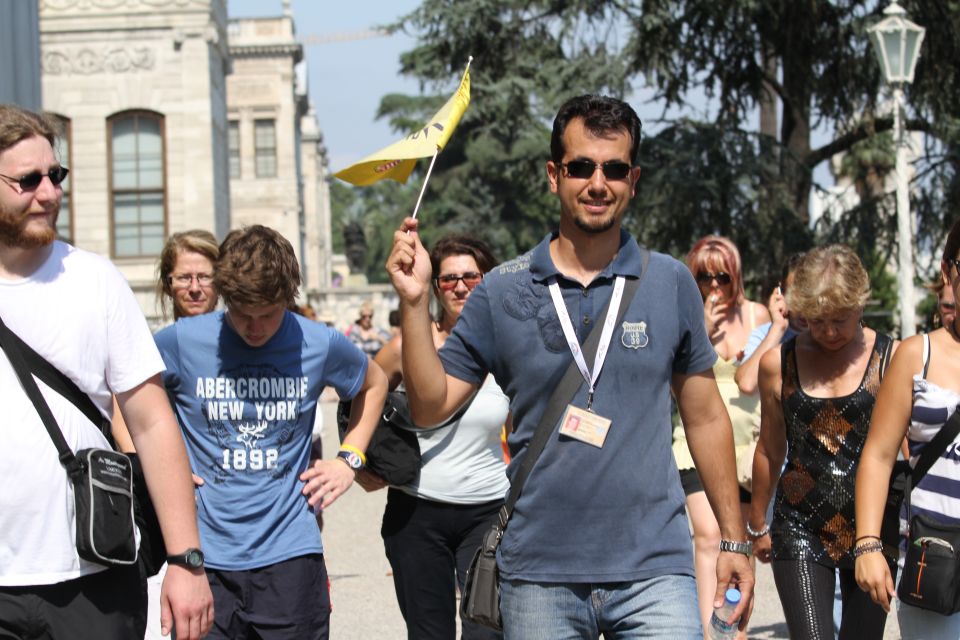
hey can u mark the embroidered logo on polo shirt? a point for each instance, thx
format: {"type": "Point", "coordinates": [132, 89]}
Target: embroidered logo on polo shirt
{"type": "Point", "coordinates": [635, 335]}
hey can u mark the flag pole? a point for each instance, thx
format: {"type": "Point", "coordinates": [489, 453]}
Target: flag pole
{"type": "Point", "coordinates": [433, 160]}
{"type": "Point", "coordinates": [425, 180]}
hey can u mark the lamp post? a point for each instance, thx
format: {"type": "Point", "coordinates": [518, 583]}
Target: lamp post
{"type": "Point", "coordinates": [896, 42]}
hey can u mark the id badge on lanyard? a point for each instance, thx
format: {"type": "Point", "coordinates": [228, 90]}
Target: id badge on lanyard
{"type": "Point", "coordinates": [586, 425]}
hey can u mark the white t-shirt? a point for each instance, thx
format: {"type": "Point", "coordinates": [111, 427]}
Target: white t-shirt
{"type": "Point", "coordinates": [462, 463]}
{"type": "Point", "coordinates": [79, 313]}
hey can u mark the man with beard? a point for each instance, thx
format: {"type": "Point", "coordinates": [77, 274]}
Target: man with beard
{"type": "Point", "coordinates": [598, 542]}
{"type": "Point", "coordinates": [105, 347]}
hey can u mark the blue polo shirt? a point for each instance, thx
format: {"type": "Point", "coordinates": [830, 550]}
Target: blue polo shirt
{"type": "Point", "coordinates": [589, 514]}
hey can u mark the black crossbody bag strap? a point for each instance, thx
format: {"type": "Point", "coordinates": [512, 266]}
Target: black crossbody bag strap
{"type": "Point", "coordinates": [931, 452]}
{"type": "Point", "coordinates": [10, 345]}
{"type": "Point", "coordinates": [59, 382]}
{"type": "Point", "coordinates": [563, 394]}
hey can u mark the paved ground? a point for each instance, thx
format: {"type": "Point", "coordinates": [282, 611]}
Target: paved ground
{"type": "Point", "coordinates": [364, 604]}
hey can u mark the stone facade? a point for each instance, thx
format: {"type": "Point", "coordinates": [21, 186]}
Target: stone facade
{"type": "Point", "coordinates": [166, 60]}
{"type": "Point", "coordinates": [183, 65]}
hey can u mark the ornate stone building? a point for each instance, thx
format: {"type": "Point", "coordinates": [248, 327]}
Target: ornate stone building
{"type": "Point", "coordinates": [176, 118]}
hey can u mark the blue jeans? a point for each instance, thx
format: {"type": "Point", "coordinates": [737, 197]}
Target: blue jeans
{"type": "Point", "coordinates": [661, 607]}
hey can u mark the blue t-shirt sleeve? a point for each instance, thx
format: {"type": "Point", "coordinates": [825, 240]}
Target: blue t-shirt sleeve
{"type": "Point", "coordinates": [756, 337]}
{"type": "Point", "coordinates": [467, 352]}
{"type": "Point", "coordinates": [346, 365]}
{"type": "Point", "coordinates": [168, 345]}
{"type": "Point", "coordinates": [694, 353]}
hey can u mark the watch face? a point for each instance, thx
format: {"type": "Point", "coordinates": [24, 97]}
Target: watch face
{"type": "Point", "coordinates": [194, 558]}
{"type": "Point", "coordinates": [352, 459]}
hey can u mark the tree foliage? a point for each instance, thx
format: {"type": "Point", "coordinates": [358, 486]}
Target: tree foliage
{"type": "Point", "coordinates": [718, 172]}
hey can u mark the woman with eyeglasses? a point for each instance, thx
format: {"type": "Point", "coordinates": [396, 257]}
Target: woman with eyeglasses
{"type": "Point", "coordinates": [185, 278]}
{"type": "Point", "coordinates": [817, 393]}
{"type": "Point", "coordinates": [433, 526]}
{"type": "Point", "coordinates": [185, 273]}
{"type": "Point", "coordinates": [730, 318]}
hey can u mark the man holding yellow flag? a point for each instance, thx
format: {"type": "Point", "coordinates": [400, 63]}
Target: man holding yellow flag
{"type": "Point", "coordinates": [598, 542]}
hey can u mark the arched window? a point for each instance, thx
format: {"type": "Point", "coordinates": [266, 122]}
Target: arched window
{"type": "Point", "coordinates": [137, 183]}
{"type": "Point", "coordinates": [62, 148]}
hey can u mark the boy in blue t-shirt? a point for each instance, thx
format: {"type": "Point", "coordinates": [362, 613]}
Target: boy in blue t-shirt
{"type": "Point", "coordinates": [245, 384]}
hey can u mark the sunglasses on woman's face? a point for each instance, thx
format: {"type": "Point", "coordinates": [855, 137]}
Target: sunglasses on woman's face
{"type": "Point", "coordinates": [705, 277]}
{"type": "Point", "coordinates": [33, 179]}
{"type": "Point", "coordinates": [448, 281]}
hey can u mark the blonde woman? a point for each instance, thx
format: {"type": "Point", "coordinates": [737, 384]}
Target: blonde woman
{"type": "Point", "coordinates": [729, 318]}
{"type": "Point", "coordinates": [817, 393]}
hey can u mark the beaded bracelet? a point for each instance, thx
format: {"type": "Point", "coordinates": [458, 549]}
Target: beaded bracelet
{"type": "Point", "coordinates": [869, 547]}
{"type": "Point", "coordinates": [758, 534]}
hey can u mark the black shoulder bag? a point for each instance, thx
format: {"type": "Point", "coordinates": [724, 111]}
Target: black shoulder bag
{"type": "Point", "coordinates": [480, 600]}
{"type": "Point", "coordinates": [931, 566]}
{"type": "Point", "coordinates": [394, 450]}
{"type": "Point", "coordinates": [102, 478]}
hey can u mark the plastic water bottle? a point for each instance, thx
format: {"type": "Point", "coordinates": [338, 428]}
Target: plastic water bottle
{"type": "Point", "coordinates": [719, 628]}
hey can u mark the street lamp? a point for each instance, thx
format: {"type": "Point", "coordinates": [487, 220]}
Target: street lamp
{"type": "Point", "coordinates": [896, 41]}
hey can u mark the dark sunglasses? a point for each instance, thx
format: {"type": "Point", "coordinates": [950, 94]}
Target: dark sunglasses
{"type": "Point", "coordinates": [32, 180]}
{"type": "Point", "coordinates": [448, 282]}
{"type": "Point", "coordinates": [584, 169]}
{"type": "Point", "coordinates": [722, 278]}
{"type": "Point", "coordinates": [955, 262]}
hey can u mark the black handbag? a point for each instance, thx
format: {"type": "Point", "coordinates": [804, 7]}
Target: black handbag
{"type": "Point", "coordinates": [394, 451]}
{"type": "Point", "coordinates": [480, 598]}
{"type": "Point", "coordinates": [931, 566]}
{"type": "Point", "coordinates": [102, 478]}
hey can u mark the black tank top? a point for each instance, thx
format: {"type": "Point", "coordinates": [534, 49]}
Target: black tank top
{"type": "Point", "coordinates": [814, 510]}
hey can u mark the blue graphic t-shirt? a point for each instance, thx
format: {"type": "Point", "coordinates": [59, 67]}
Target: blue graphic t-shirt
{"type": "Point", "coordinates": [247, 416]}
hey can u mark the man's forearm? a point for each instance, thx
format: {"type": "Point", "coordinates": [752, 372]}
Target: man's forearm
{"type": "Point", "coordinates": [171, 487]}
{"type": "Point", "coordinates": [423, 374]}
{"type": "Point", "coordinates": [711, 446]}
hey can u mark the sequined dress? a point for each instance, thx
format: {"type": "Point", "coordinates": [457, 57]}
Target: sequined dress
{"type": "Point", "coordinates": [814, 510]}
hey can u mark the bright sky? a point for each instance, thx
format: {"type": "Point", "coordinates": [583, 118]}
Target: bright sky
{"type": "Point", "coordinates": [347, 79]}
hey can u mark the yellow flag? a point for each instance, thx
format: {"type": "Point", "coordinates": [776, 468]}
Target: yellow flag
{"type": "Point", "coordinates": [397, 161]}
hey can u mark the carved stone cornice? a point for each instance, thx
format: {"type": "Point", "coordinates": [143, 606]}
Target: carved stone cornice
{"type": "Point", "coordinates": [294, 50]}
{"type": "Point", "coordinates": [87, 61]}
{"type": "Point", "coordinates": [87, 5]}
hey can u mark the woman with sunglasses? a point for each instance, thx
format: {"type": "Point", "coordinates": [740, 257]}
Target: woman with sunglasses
{"type": "Point", "coordinates": [362, 333]}
{"type": "Point", "coordinates": [817, 393]}
{"type": "Point", "coordinates": [433, 526]}
{"type": "Point", "coordinates": [729, 318]}
{"type": "Point", "coordinates": [920, 393]}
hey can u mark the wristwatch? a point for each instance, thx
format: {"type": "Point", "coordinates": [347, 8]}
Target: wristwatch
{"type": "Point", "coordinates": [191, 558]}
{"type": "Point", "coordinates": [352, 458]}
{"type": "Point", "coordinates": [746, 548]}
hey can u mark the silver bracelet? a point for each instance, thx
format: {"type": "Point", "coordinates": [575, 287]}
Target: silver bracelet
{"type": "Point", "coordinates": [758, 534]}
{"type": "Point", "coordinates": [734, 546]}
{"type": "Point", "coordinates": [867, 547]}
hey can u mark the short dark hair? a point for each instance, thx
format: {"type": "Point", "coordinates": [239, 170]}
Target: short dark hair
{"type": "Point", "coordinates": [457, 244]}
{"type": "Point", "coordinates": [18, 124]}
{"type": "Point", "coordinates": [601, 115]}
{"type": "Point", "coordinates": [790, 264]}
{"type": "Point", "coordinates": [258, 267]}
{"type": "Point", "coordinates": [952, 247]}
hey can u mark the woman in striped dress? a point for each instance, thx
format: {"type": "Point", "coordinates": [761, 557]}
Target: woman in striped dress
{"type": "Point", "coordinates": [919, 394]}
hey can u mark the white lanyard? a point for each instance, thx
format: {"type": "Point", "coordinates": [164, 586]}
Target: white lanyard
{"type": "Point", "coordinates": [605, 335]}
